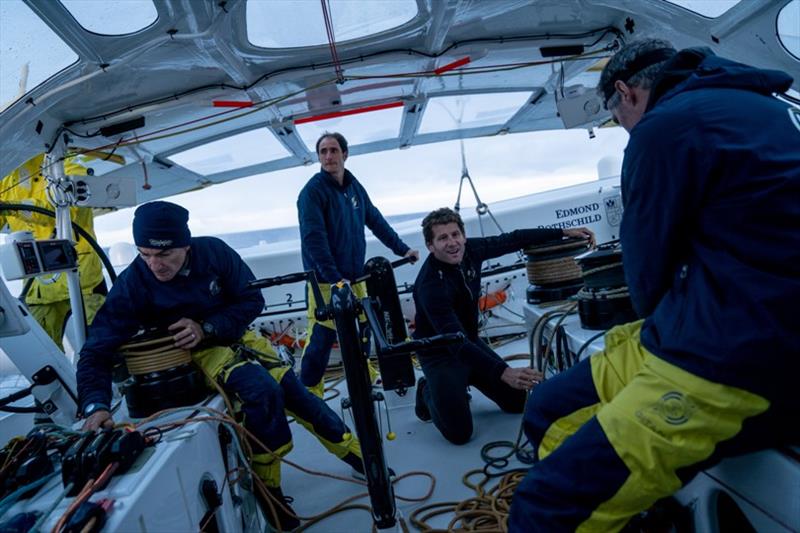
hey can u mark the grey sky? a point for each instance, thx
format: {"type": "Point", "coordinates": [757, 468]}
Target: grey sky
{"type": "Point", "coordinates": [400, 181]}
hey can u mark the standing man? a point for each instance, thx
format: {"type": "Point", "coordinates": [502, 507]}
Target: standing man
{"type": "Point", "coordinates": [711, 240]}
{"type": "Point", "coordinates": [446, 294]}
{"type": "Point", "coordinates": [47, 297]}
{"type": "Point", "coordinates": [197, 289]}
{"type": "Point", "coordinates": [333, 209]}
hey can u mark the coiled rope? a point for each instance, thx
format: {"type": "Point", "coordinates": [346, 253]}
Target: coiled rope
{"type": "Point", "coordinates": [154, 355]}
{"type": "Point", "coordinates": [486, 512]}
{"type": "Point", "coordinates": [550, 264]}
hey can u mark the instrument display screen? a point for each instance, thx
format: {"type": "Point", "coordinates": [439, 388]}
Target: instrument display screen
{"type": "Point", "coordinates": [57, 255]}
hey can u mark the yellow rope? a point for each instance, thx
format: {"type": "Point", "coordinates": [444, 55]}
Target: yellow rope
{"type": "Point", "coordinates": [486, 512]}
{"type": "Point", "coordinates": [154, 355]}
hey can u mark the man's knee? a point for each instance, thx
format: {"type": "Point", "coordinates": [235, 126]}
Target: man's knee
{"type": "Point", "coordinates": [457, 432]}
{"type": "Point", "coordinates": [253, 385]}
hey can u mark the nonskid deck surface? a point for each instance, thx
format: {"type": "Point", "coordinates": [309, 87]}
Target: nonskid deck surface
{"type": "Point", "coordinates": [418, 447]}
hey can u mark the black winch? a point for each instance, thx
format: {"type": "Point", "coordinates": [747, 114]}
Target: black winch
{"type": "Point", "coordinates": [553, 273]}
{"type": "Point", "coordinates": [162, 376]}
{"type": "Point", "coordinates": [604, 301]}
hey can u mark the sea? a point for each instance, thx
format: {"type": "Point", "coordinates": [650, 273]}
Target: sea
{"type": "Point", "coordinates": [246, 239]}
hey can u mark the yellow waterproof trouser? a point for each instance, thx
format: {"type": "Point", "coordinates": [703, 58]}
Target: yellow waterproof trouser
{"type": "Point", "coordinates": [53, 316]}
{"type": "Point", "coordinates": [321, 336]}
{"type": "Point", "coordinates": [618, 432]}
{"type": "Point", "coordinates": [265, 391]}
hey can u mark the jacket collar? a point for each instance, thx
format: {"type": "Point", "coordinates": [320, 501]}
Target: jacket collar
{"type": "Point", "coordinates": [329, 179]}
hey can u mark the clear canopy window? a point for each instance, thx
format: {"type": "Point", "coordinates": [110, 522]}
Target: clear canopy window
{"type": "Point", "coordinates": [445, 113]}
{"type": "Point", "coordinates": [241, 150]}
{"type": "Point", "coordinates": [357, 129]}
{"type": "Point", "coordinates": [789, 27]}
{"type": "Point", "coordinates": [707, 8]}
{"type": "Point", "coordinates": [30, 52]}
{"type": "Point", "coordinates": [112, 17]}
{"type": "Point", "coordinates": [290, 24]}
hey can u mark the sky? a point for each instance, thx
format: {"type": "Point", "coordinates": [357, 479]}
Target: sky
{"type": "Point", "coordinates": [421, 178]}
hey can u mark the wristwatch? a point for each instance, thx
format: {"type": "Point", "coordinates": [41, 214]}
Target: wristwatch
{"type": "Point", "coordinates": [92, 408]}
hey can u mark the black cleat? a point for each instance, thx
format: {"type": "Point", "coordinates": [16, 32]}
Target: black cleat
{"type": "Point", "coordinates": [286, 518]}
{"type": "Point", "coordinates": [421, 408]}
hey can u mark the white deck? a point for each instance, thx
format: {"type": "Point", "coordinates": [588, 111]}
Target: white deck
{"type": "Point", "coordinates": [419, 446]}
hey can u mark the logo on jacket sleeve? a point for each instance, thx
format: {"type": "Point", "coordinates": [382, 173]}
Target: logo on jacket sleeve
{"type": "Point", "coordinates": [214, 287]}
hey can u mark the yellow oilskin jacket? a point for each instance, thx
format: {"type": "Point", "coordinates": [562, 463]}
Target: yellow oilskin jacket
{"type": "Point", "coordinates": [26, 185]}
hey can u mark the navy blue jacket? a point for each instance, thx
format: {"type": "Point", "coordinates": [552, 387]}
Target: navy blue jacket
{"type": "Point", "coordinates": [211, 288]}
{"type": "Point", "coordinates": [711, 226]}
{"type": "Point", "coordinates": [332, 220]}
{"type": "Point", "coordinates": [446, 296]}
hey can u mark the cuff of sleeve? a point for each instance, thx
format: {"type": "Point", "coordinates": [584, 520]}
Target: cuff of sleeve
{"type": "Point", "coordinates": [498, 370]}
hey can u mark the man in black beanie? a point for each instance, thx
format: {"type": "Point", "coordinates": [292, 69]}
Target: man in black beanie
{"type": "Point", "coordinates": [197, 289]}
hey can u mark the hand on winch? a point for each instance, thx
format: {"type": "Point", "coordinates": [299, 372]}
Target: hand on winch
{"type": "Point", "coordinates": [188, 333]}
{"type": "Point", "coordinates": [581, 233]}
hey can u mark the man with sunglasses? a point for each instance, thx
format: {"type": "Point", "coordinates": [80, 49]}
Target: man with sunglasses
{"type": "Point", "coordinates": [711, 239]}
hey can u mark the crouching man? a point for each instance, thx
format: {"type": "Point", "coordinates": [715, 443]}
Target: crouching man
{"type": "Point", "coordinates": [197, 289]}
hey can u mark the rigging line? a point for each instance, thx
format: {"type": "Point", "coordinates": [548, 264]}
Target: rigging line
{"type": "Point", "coordinates": [361, 58]}
{"type": "Point", "coordinates": [485, 69]}
{"type": "Point", "coordinates": [263, 105]}
{"type": "Point", "coordinates": [326, 15]}
{"type": "Point", "coordinates": [147, 137]}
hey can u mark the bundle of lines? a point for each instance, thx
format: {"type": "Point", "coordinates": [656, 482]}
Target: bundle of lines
{"type": "Point", "coordinates": [604, 301]}
{"type": "Point", "coordinates": [553, 273]}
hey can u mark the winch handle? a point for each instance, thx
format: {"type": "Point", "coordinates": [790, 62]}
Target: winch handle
{"type": "Point", "coordinates": [435, 341]}
{"type": "Point", "coordinates": [394, 264]}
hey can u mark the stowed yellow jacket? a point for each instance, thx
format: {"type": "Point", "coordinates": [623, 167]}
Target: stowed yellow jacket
{"type": "Point", "coordinates": [26, 185]}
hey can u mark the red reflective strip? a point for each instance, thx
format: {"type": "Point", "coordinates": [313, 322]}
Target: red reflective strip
{"type": "Point", "coordinates": [231, 103]}
{"type": "Point", "coordinates": [335, 114]}
{"type": "Point", "coordinates": [450, 66]}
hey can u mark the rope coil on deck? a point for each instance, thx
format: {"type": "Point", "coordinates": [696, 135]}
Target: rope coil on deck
{"type": "Point", "coordinates": [487, 511]}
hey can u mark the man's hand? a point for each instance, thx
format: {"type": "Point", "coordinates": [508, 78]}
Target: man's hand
{"type": "Point", "coordinates": [521, 378]}
{"type": "Point", "coordinates": [99, 419]}
{"type": "Point", "coordinates": [413, 254]}
{"type": "Point", "coordinates": [188, 333]}
{"type": "Point", "coordinates": [581, 233]}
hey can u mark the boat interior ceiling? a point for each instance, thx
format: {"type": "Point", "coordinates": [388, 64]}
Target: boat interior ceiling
{"type": "Point", "coordinates": [174, 95]}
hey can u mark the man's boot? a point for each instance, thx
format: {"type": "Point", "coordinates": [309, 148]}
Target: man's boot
{"type": "Point", "coordinates": [286, 518]}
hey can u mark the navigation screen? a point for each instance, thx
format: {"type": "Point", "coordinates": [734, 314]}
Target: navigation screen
{"type": "Point", "coordinates": [57, 255]}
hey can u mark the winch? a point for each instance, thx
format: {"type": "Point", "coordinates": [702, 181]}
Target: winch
{"type": "Point", "coordinates": [162, 376]}
{"type": "Point", "coordinates": [603, 301]}
{"type": "Point", "coordinates": [553, 273]}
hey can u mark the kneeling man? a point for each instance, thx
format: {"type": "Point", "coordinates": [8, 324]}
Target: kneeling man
{"type": "Point", "coordinates": [446, 296]}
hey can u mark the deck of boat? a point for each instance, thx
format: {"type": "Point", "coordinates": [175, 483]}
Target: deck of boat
{"type": "Point", "coordinates": [418, 447]}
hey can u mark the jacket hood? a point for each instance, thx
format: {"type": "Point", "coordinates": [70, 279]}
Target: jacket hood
{"type": "Point", "coordinates": [699, 68]}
